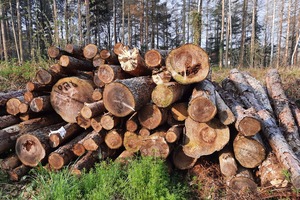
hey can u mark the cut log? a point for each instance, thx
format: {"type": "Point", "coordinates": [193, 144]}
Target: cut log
{"type": "Point", "coordinates": [63, 134]}
{"type": "Point", "coordinates": [228, 164]}
{"type": "Point", "coordinates": [97, 81]}
{"type": "Point", "coordinates": [108, 121]}
{"type": "Point", "coordinates": [24, 108]}
{"type": "Point", "coordinates": [132, 123]}
{"type": "Point", "coordinates": [166, 94]}
{"type": "Point", "coordinates": [93, 141]}
{"type": "Point", "coordinates": [10, 162]}
{"type": "Point", "coordinates": [161, 75]}
{"type": "Point", "coordinates": [132, 142]}
{"type": "Point", "coordinates": [68, 96]}
{"type": "Point", "coordinates": [155, 58]}
{"type": "Point", "coordinates": [17, 173]}
{"type": "Point", "coordinates": [78, 149]}
{"type": "Point", "coordinates": [202, 106]}
{"type": "Point", "coordinates": [62, 71]}
{"type": "Point", "coordinates": [114, 139]}
{"type": "Point", "coordinates": [41, 104]}
{"type": "Point", "coordinates": [33, 147]}
{"type": "Point", "coordinates": [8, 120]}
{"type": "Point", "coordinates": [95, 123]}
{"type": "Point", "coordinates": [179, 111]}
{"type": "Point", "coordinates": [204, 138]}
{"type": "Point", "coordinates": [126, 96]}
{"type": "Point", "coordinates": [174, 133]}
{"type": "Point", "coordinates": [144, 132]}
{"type": "Point", "coordinates": [271, 172]}
{"type": "Point", "coordinates": [75, 51]}
{"type": "Point", "coordinates": [37, 87]}
{"type": "Point", "coordinates": [12, 105]}
{"type": "Point", "coordinates": [109, 56]}
{"type": "Point", "coordinates": [181, 160]}
{"type": "Point", "coordinates": [97, 94]}
{"type": "Point", "coordinates": [90, 51]}
{"type": "Point", "coordinates": [188, 64]}
{"type": "Point", "coordinates": [119, 48]}
{"type": "Point", "coordinates": [109, 73]}
{"type": "Point", "coordinates": [151, 116]}
{"type": "Point", "coordinates": [282, 110]}
{"type": "Point", "coordinates": [249, 152]}
{"type": "Point", "coordinates": [83, 122]}
{"type": "Point", "coordinates": [6, 137]}
{"type": "Point", "coordinates": [74, 63]}
{"type": "Point", "coordinates": [55, 52]}
{"type": "Point", "coordinates": [155, 145]}
{"type": "Point", "coordinates": [133, 63]}
{"type": "Point", "coordinates": [224, 113]}
{"type": "Point", "coordinates": [93, 109]}
{"type": "Point", "coordinates": [46, 77]}
{"type": "Point", "coordinates": [98, 61]}
{"type": "Point", "coordinates": [273, 134]}
{"type": "Point", "coordinates": [5, 96]}
{"type": "Point", "coordinates": [85, 163]}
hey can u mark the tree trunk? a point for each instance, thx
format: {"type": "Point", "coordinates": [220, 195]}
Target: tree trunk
{"type": "Point", "coordinates": [109, 73]}
{"type": "Point", "coordinates": [17, 173]}
{"type": "Point", "coordinates": [155, 58]}
{"type": "Point", "coordinates": [90, 51]}
{"type": "Point", "coordinates": [114, 139]}
{"type": "Point", "coordinates": [8, 120]}
{"type": "Point", "coordinates": [7, 135]}
{"type": "Point", "coordinates": [3, 33]}
{"type": "Point", "coordinates": [161, 75]}
{"type": "Point", "coordinates": [155, 145]}
{"type": "Point", "coordinates": [46, 77]}
{"type": "Point", "coordinates": [86, 162]}
{"type": "Point", "coordinates": [12, 105]}
{"type": "Point", "coordinates": [252, 44]}
{"type": "Point", "coordinates": [243, 37]}
{"type": "Point", "coordinates": [108, 121]}
{"type": "Point", "coordinates": [55, 52]}
{"type": "Point", "coordinates": [188, 64]}
{"type": "Point", "coordinates": [174, 133]}
{"type": "Point", "coordinates": [280, 34]}
{"type": "Point", "coordinates": [79, 23]}
{"type": "Point", "coordinates": [221, 48]}
{"type": "Point", "coordinates": [41, 104]}
{"type": "Point", "coordinates": [228, 164]}
{"type": "Point", "coordinates": [14, 32]}
{"type": "Point", "coordinates": [83, 122]}
{"type": "Point", "coordinates": [132, 142]}
{"type": "Point", "coordinates": [123, 97]}
{"type": "Point", "coordinates": [95, 123]}
{"type": "Point", "coordinates": [10, 162]}
{"type": "Point", "coordinates": [19, 30]}
{"type": "Point", "coordinates": [93, 109]}
{"type": "Point", "coordinates": [87, 21]}
{"type": "Point", "coordinates": [75, 51]}
{"type": "Point", "coordinates": [74, 63]}
{"type": "Point", "coordinates": [37, 87]}
{"type": "Point", "coordinates": [5, 96]}
{"type": "Point", "coordinates": [109, 56]}
{"type": "Point", "coordinates": [225, 114]}
{"type": "Point", "coordinates": [93, 141]}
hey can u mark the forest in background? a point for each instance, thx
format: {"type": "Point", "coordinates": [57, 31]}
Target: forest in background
{"type": "Point", "coordinates": [243, 33]}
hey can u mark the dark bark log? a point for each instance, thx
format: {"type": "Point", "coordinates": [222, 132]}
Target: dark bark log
{"type": "Point", "coordinates": [151, 116]}
{"type": "Point", "coordinates": [181, 160]}
{"type": "Point", "coordinates": [17, 173]}
{"type": "Point", "coordinates": [46, 77]}
{"type": "Point", "coordinates": [86, 162]}
{"type": "Point", "coordinates": [7, 135]}
{"type": "Point", "coordinates": [61, 71]}
{"type": "Point", "coordinates": [155, 58]}
{"type": "Point", "coordinates": [109, 73]}
{"type": "Point", "coordinates": [93, 141]}
{"type": "Point", "coordinates": [90, 51]}
{"type": "Point", "coordinates": [109, 56]}
{"type": "Point", "coordinates": [10, 162]}
{"type": "Point", "coordinates": [56, 53]}
{"type": "Point", "coordinates": [75, 51]}
{"type": "Point", "coordinates": [225, 114]}
{"type": "Point", "coordinates": [41, 104]}
{"type": "Point", "coordinates": [93, 109]}
{"type": "Point", "coordinates": [8, 120]}
{"type": "Point", "coordinates": [124, 97]}
{"type": "Point", "coordinates": [74, 63]}
{"type": "Point", "coordinates": [114, 139]}
{"type": "Point", "coordinates": [5, 96]}
{"type": "Point", "coordinates": [37, 87]}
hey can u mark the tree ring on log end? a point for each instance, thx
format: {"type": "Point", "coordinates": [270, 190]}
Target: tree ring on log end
{"type": "Point", "coordinates": [152, 58]}
{"type": "Point", "coordinates": [208, 135]}
{"type": "Point", "coordinates": [201, 109]}
{"type": "Point", "coordinates": [162, 96]}
{"type": "Point", "coordinates": [56, 161]}
{"type": "Point", "coordinates": [150, 116]}
{"type": "Point", "coordinates": [249, 126]}
{"type": "Point", "coordinates": [105, 73]}
{"type": "Point", "coordinates": [29, 150]}
{"type": "Point", "coordinates": [118, 99]}
{"type": "Point", "coordinates": [90, 51]}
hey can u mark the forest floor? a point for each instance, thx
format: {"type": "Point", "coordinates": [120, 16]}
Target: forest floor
{"type": "Point", "coordinates": [208, 173]}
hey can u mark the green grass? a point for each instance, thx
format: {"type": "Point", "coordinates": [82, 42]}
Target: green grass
{"type": "Point", "coordinates": [143, 178]}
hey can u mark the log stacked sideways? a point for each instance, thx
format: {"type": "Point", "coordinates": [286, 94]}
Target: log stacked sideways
{"type": "Point", "coordinates": [96, 104]}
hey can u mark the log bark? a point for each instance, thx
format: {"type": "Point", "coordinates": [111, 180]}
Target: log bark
{"type": "Point", "coordinates": [37, 87]}
{"type": "Point", "coordinates": [179, 111]}
{"type": "Point", "coordinates": [166, 94]}
{"type": "Point", "coordinates": [188, 64]}
{"type": "Point", "coordinates": [75, 51]}
{"type": "Point", "coordinates": [273, 134]}
{"type": "Point", "coordinates": [109, 73]}
{"type": "Point", "coordinates": [7, 135]}
{"type": "Point", "coordinates": [93, 109]}
{"type": "Point", "coordinates": [86, 162]}
{"type": "Point", "coordinates": [204, 138]}
{"type": "Point", "coordinates": [202, 106]}
{"type": "Point", "coordinates": [296, 113]}
{"type": "Point", "coordinates": [109, 56]}
{"type": "Point", "coordinates": [12, 105]}
{"type": "Point", "coordinates": [174, 133]}
{"type": "Point", "coordinates": [41, 104]}
{"type": "Point", "coordinates": [68, 96]}
{"type": "Point", "coordinates": [282, 110]}
{"type": "Point", "coordinates": [63, 134]}
{"type": "Point", "coordinates": [17, 173]}
{"type": "Point", "coordinates": [249, 152]}
{"type": "Point", "coordinates": [93, 141]}
{"type": "Point", "coordinates": [125, 157]}
{"type": "Point", "coordinates": [97, 81]}
{"type": "Point", "coordinates": [10, 162]}
{"type": "Point", "coordinates": [151, 116]}
{"type": "Point", "coordinates": [8, 120]}
{"type": "Point", "coordinates": [108, 121]}
{"type": "Point", "coordinates": [5, 96]}
{"type": "Point", "coordinates": [55, 52]}
{"type": "Point", "coordinates": [97, 94]}
{"type": "Point", "coordinates": [132, 142]}
{"type": "Point", "coordinates": [33, 147]}
{"type": "Point", "coordinates": [133, 63]}
{"type": "Point", "coordinates": [46, 77]}
{"type": "Point", "coordinates": [155, 145]}
{"type": "Point", "coordinates": [161, 75]}
{"type": "Point", "coordinates": [90, 51]}
{"type": "Point", "coordinates": [98, 61]}
{"type": "Point", "coordinates": [224, 113]}
{"type": "Point", "coordinates": [155, 58]}
{"type": "Point", "coordinates": [181, 160]}
{"type": "Point", "coordinates": [124, 97]}
{"type": "Point", "coordinates": [74, 63]}
{"type": "Point", "coordinates": [114, 139]}
{"type": "Point", "coordinates": [95, 123]}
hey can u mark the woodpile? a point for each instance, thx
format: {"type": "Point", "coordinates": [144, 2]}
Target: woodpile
{"type": "Point", "coordinates": [96, 104]}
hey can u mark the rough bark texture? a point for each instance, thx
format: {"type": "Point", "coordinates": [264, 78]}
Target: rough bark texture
{"type": "Point", "coordinates": [46, 77]}
{"type": "Point", "coordinates": [37, 87]}
{"type": "Point", "coordinates": [10, 162]}
{"type": "Point", "coordinates": [181, 160]}
{"type": "Point", "coordinates": [83, 122]}
{"type": "Point", "coordinates": [55, 52]}
{"type": "Point", "coordinates": [5, 96]}
{"type": "Point", "coordinates": [225, 114]}
{"type": "Point", "coordinates": [188, 64]}
{"type": "Point", "coordinates": [8, 120]}
{"type": "Point", "coordinates": [93, 109]}
{"type": "Point", "coordinates": [86, 162]}
{"type": "Point", "coordinates": [74, 63]}
{"type": "Point", "coordinates": [151, 116]}
{"type": "Point", "coordinates": [109, 56]}
{"type": "Point", "coordinates": [17, 173]}
{"type": "Point", "coordinates": [41, 104]}
{"type": "Point", "coordinates": [76, 51]}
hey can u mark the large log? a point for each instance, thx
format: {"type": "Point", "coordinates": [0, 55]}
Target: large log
{"type": "Point", "coordinates": [74, 63]}
{"type": "Point", "coordinates": [109, 56]}
{"type": "Point", "coordinates": [282, 110]}
{"type": "Point", "coordinates": [68, 96]}
{"type": "Point", "coordinates": [151, 116]}
{"type": "Point", "coordinates": [155, 58]}
{"type": "Point", "coordinates": [109, 73]}
{"type": "Point", "coordinates": [126, 96]}
{"type": "Point", "coordinates": [5, 96]}
{"type": "Point", "coordinates": [188, 64]}
{"type": "Point", "coordinates": [271, 131]}
{"type": "Point", "coordinates": [166, 94]}
{"type": "Point", "coordinates": [93, 109]}
{"type": "Point", "coordinates": [90, 51]}
{"type": "Point", "coordinates": [204, 138]}
{"type": "Point", "coordinates": [8, 120]}
{"type": "Point", "coordinates": [46, 77]}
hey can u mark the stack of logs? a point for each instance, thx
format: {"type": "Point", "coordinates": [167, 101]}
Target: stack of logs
{"type": "Point", "coordinates": [96, 104]}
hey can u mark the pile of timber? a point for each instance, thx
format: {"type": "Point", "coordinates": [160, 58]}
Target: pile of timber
{"type": "Point", "coordinates": [95, 104]}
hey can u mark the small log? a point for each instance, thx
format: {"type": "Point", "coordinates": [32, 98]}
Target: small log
{"type": "Point", "coordinates": [271, 172]}
{"type": "Point", "coordinates": [12, 105]}
{"type": "Point", "coordinates": [132, 123]}
{"type": "Point", "coordinates": [114, 139]}
{"type": "Point", "coordinates": [98, 61]}
{"type": "Point", "coordinates": [37, 87]}
{"type": "Point", "coordinates": [109, 56]}
{"type": "Point", "coordinates": [133, 63]}
{"type": "Point", "coordinates": [166, 94]}
{"type": "Point", "coordinates": [68, 96]}
{"type": "Point", "coordinates": [46, 77]}
{"type": "Point", "coordinates": [24, 108]}
{"type": "Point", "coordinates": [78, 149]}
{"type": "Point", "coordinates": [97, 94]}
{"type": "Point", "coordinates": [202, 105]}
{"type": "Point", "coordinates": [17, 173]}
{"type": "Point", "coordinates": [224, 113]}
{"type": "Point", "coordinates": [90, 51]}
{"type": "Point", "coordinates": [63, 134]}
{"type": "Point", "coordinates": [108, 121]}
{"type": "Point", "coordinates": [123, 97]}
{"type": "Point", "coordinates": [155, 145]}
{"type": "Point", "coordinates": [181, 160]}
{"type": "Point", "coordinates": [41, 104]}
{"type": "Point", "coordinates": [60, 70]}
{"type": "Point", "coordinates": [7, 135]}
{"type": "Point", "coordinates": [174, 133]}
{"type": "Point", "coordinates": [151, 116]}
{"type": "Point", "coordinates": [228, 164]}
{"type": "Point", "coordinates": [33, 147]}
{"type": "Point", "coordinates": [282, 110]}
{"type": "Point", "coordinates": [179, 111]}
{"type": "Point", "coordinates": [132, 142]}
{"type": "Point", "coordinates": [109, 73]}
{"type": "Point", "coordinates": [5, 96]}
{"type": "Point", "coordinates": [161, 75]}
{"type": "Point", "coordinates": [97, 81]}
{"type": "Point", "coordinates": [93, 141]}
{"type": "Point", "coordinates": [155, 58]}
{"type": "Point", "coordinates": [93, 109]}
{"type": "Point", "coordinates": [85, 163]}
{"type": "Point", "coordinates": [74, 63]}
{"type": "Point", "coordinates": [119, 48]}
{"type": "Point", "coordinates": [204, 138]}
{"type": "Point", "coordinates": [96, 124]}
{"type": "Point", "coordinates": [10, 162]}
{"type": "Point", "coordinates": [55, 52]}
{"type": "Point", "coordinates": [83, 122]}
{"type": "Point", "coordinates": [8, 120]}
{"type": "Point", "coordinates": [28, 96]}
{"type": "Point", "coordinates": [75, 51]}
{"type": "Point", "coordinates": [144, 132]}
{"type": "Point", "coordinates": [188, 64]}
